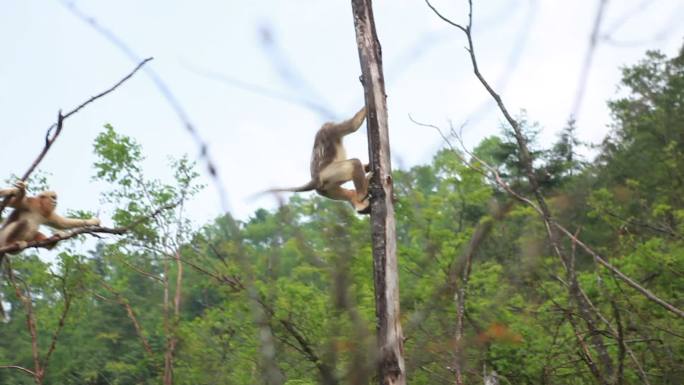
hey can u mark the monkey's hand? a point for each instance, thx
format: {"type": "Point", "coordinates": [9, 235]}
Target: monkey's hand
{"type": "Point", "coordinates": [16, 193]}
{"type": "Point", "coordinates": [91, 222]}
{"type": "Point", "coordinates": [365, 209]}
{"type": "Point", "coordinates": [359, 117]}
{"type": "Point", "coordinates": [20, 187]}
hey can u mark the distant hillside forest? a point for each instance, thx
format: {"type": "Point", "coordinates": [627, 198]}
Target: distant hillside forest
{"type": "Point", "coordinates": [288, 294]}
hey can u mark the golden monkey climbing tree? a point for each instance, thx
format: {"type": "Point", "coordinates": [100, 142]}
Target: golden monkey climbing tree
{"type": "Point", "coordinates": [385, 274]}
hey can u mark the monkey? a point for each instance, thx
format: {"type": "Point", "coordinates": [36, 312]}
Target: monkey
{"type": "Point", "coordinates": [29, 213]}
{"type": "Point", "coordinates": [330, 167]}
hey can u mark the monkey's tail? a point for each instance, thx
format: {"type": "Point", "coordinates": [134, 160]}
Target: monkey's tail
{"type": "Point", "coordinates": [311, 185]}
{"type": "Point", "coordinates": [307, 187]}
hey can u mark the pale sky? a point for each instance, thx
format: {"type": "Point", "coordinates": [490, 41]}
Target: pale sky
{"type": "Point", "coordinates": [532, 51]}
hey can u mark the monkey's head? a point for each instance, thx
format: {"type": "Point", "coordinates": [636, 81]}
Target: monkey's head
{"type": "Point", "coordinates": [48, 201]}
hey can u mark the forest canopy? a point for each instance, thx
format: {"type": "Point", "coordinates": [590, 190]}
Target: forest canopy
{"type": "Point", "coordinates": [288, 294]}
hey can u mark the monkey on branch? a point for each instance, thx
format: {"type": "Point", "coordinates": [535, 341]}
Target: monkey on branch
{"type": "Point", "coordinates": [30, 212]}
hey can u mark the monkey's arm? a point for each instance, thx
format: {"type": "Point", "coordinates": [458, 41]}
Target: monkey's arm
{"type": "Point", "coordinates": [60, 222]}
{"type": "Point", "coordinates": [5, 192]}
{"type": "Point", "coordinates": [17, 195]}
{"type": "Point", "coordinates": [349, 126]}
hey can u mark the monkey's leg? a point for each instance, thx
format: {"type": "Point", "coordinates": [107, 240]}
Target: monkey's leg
{"type": "Point", "coordinates": [15, 233]}
{"type": "Point", "coordinates": [36, 238]}
{"type": "Point", "coordinates": [343, 171]}
{"type": "Point", "coordinates": [22, 245]}
{"type": "Point", "coordinates": [360, 180]}
{"type": "Point", "coordinates": [342, 194]}
{"type": "Point", "coordinates": [41, 237]}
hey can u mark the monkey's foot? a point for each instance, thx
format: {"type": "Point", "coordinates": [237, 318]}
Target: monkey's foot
{"type": "Point", "coordinates": [363, 207]}
{"type": "Point", "coordinates": [21, 244]}
{"type": "Point", "coordinates": [59, 234]}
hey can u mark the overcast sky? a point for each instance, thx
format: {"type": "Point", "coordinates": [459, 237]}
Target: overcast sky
{"type": "Point", "coordinates": [214, 55]}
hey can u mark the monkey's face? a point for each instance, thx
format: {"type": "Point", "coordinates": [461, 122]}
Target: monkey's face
{"type": "Point", "coordinates": [48, 200]}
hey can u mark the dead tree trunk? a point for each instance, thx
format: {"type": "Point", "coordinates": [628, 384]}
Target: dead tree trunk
{"type": "Point", "coordinates": [385, 273]}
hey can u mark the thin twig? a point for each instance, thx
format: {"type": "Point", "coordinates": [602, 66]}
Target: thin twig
{"type": "Point", "coordinates": [60, 324]}
{"type": "Point", "coordinates": [105, 92]}
{"type": "Point", "coordinates": [165, 91]}
{"type": "Point", "coordinates": [56, 128]}
{"type": "Point", "coordinates": [447, 20]}
{"type": "Point", "coordinates": [320, 109]}
{"type": "Point", "coordinates": [629, 281]}
{"type": "Point", "coordinates": [588, 57]}
{"type": "Point", "coordinates": [21, 368]}
{"type": "Point", "coordinates": [621, 345]}
{"type": "Point", "coordinates": [141, 271]}
{"type": "Point", "coordinates": [585, 352]}
{"type": "Point", "coordinates": [131, 315]}
{"type": "Point", "coordinates": [25, 298]}
{"type": "Point", "coordinates": [232, 281]}
{"type": "Point", "coordinates": [285, 69]}
{"type": "Point", "coordinates": [614, 332]}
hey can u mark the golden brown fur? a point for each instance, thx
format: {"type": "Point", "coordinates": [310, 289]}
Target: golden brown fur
{"type": "Point", "coordinates": [23, 224]}
{"type": "Point", "coordinates": [330, 167]}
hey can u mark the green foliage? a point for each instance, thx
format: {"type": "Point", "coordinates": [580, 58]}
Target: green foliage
{"type": "Point", "coordinates": [290, 291]}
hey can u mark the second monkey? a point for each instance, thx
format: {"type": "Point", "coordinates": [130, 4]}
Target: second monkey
{"type": "Point", "coordinates": [330, 167]}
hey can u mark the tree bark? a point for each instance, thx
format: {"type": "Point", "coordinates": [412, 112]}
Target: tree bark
{"type": "Point", "coordinates": [386, 279]}
{"type": "Point", "coordinates": [172, 326]}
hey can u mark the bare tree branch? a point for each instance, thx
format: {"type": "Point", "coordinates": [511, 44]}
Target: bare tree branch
{"type": "Point", "coordinates": [55, 129]}
{"type": "Point", "coordinates": [284, 68]}
{"type": "Point", "coordinates": [105, 92]}
{"type": "Point", "coordinates": [320, 109]}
